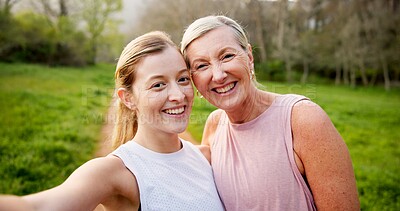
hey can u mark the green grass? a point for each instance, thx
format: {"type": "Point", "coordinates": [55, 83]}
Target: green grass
{"type": "Point", "coordinates": [368, 120]}
{"type": "Point", "coordinates": [50, 121]}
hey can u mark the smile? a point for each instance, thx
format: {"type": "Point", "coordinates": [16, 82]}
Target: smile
{"type": "Point", "coordinates": [175, 111]}
{"type": "Point", "coordinates": [225, 89]}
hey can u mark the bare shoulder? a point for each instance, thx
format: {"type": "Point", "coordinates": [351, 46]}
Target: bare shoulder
{"type": "Point", "coordinates": [109, 170]}
{"type": "Point", "coordinates": [313, 131]}
{"type": "Point", "coordinates": [210, 127]}
{"type": "Point", "coordinates": [326, 159]}
{"type": "Point", "coordinates": [312, 127]}
{"type": "Point", "coordinates": [308, 113]}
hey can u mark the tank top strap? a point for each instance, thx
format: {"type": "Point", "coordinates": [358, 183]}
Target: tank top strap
{"type": "Point", "coordinates": [288, 101]}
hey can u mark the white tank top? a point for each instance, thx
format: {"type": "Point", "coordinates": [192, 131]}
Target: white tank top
{"type": "Point", "coordinates": [182, 180]}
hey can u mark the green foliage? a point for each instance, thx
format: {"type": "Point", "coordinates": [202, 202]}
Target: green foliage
{"type": "Point", "coordinates": [61, 40]}
{"type": "Point", "coordinates": [96, 15]}
{"type": "Point", "coordinates": [273, 70]}
{"type": "Point", "coordinates": [201, 109]}
{"type": "Point", "coordinates": [50, 122]}
{"type": "Point", "coordinates": [34, 38]}
{"type": "Point", "coordinates": [367, 119]}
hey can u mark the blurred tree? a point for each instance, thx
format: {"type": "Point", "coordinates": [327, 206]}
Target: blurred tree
{"type": "Point", "coordinates": [96, 14]}
{"type": "Point", "coordinates": [256, 17]}
{"type": "Point", "coordinates": [381, 33]}
{"type": "Point", "coordinates": [353, 41]}
{"type": "Point", "coordinates": [6, 5]}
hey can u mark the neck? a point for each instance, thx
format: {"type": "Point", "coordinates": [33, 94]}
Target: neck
{"type": "Point", "coordinates": [255, 104]}
{"type": "Point", "coordinates": [158, 141]}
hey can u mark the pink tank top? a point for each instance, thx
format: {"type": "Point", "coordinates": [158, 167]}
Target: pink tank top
{"type": "Point", "coordinates": [253, 163]}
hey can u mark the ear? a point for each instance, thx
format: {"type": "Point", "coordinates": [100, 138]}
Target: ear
{"type": "Point", "coordinates": [250, 55]}
{"type": "Point", "coordinates": [126, 97]}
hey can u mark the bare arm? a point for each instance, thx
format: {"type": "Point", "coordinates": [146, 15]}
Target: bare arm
{"type": "Point", "coordinates": [325, 158]}
{"type": "Point", "coordinates": [88, 186]}
{"type": "Point", "coordinates": [210, 127]}
{"type": "Point", "coordinates": [14, 203]}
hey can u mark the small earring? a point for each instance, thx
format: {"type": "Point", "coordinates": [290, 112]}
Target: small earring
{"type": "Point", "coordinates": [198, 94]}
{"type": "Point", "coordinates": [252, 74]}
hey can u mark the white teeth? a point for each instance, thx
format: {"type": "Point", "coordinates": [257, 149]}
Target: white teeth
{"type": "Point", "coordinates": [226, 88]}
{"type": "Point", "coordinates": [175, 111]}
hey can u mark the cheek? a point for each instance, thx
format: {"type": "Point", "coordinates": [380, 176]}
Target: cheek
{"type": "Point", "coordinates": [188, 91]}
{"type": "Point", "coordinates": [201, 81]}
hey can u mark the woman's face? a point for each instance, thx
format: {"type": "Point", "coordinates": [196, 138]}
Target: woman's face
{"type": "Point", "coordinates": [163, 92]}
{"type": "Point", "coordinates": [220, 68]}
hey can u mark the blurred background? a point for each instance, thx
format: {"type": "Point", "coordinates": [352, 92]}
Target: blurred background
{"type": "Point", "coordinates": [355, 42]}
{"type": "Point", "coordinates": [57, 60]}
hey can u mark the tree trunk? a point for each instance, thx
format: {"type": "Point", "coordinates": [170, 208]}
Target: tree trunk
{"type": "Point", "coordinates": [63, 8]}
{"type": "Point", "coordinates": [93, 51]}
{"type": "Point", "coordinates": [338, 76]}
{"type": "Point", "coordinates": [352, 77]}
{"type": "Point", "coordinates": [281, 24]}
{"type": "Point", "coordinates": [385, 72]}
{"type": "Point", "coordinates": [346, 73]}
{"type": "Point", "coordinates": [362, 72]}
{"type": "Point", "coordinates": [306, 69]}
{"type": "Point", "coordinates": [288, 65]}
{"type": "Point", "coordinates": [255, 7]}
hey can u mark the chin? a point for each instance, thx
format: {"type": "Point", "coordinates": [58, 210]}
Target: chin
{"type": "Point", "coordinates": [228, 104]}
{"type": "Point", "coordinates": [178, 128]}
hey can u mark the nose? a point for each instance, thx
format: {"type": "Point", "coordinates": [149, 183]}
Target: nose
{"type": "Point", "coordinates": [175, 93]}
{"type": "Point", "coordinates": [218, 74]}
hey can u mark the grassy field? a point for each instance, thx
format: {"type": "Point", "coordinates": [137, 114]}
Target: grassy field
{"type": "Point", "coordinates": [50, 122]}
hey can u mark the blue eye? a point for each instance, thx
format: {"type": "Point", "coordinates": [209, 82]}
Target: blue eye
{"type": "Point", "coordinates": [158, 85]}
{"type": "Point", "coordinates": [184, 79]}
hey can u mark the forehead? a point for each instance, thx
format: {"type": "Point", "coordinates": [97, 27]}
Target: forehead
{"type": "Point", "coordinates": [165, 63]}
{"type": "Point", "coordinates": [215, 39]}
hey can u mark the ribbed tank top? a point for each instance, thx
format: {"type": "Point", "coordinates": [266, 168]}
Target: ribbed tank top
{"type": "Point", "coordinates": [182, 180]}
{"type": "Point", "coordinates": [253, 162]}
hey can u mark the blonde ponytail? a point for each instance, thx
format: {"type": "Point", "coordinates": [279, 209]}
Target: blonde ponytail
{"type": "Point", "coordinates": [125, 125]}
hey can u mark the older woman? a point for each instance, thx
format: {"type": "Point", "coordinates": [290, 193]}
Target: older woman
{"type": "Point", "coordinates": [269, 151]}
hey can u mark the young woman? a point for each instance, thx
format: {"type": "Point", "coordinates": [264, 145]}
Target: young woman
{"type": "Point", "coordinates": [269, 151]}
{"type": "Point", "coordinates": [151, 168]}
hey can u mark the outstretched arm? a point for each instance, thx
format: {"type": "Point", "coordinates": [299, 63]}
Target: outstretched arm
{"type": "Point", "coordinates": [14, 203]}
{"type": "Point", "coordinates": [87, 187]}
{"type": "Point", "coordinates": [325, 158]}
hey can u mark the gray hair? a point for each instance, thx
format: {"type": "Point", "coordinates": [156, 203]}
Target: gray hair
{"type": "Point", "coordinates": [203, 25]}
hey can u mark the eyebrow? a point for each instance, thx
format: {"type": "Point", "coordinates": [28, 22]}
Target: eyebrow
{"type": "Point", "coordinates": [162, 76]}
{"type": "Point", "coordinates": [221, 51]}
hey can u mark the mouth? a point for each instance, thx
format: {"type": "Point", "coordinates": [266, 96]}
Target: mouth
{"type": "Point", "coordinates": [225, 89]}
{"type": "Point", "coordinates": [175, 111]}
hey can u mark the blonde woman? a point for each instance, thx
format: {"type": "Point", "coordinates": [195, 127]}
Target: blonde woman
{"type": "Point", "coordinates": [151, 168]}
{"type": "Point", "coordinates": [269, 151]}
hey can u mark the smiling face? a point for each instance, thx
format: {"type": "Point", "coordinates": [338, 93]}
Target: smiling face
{"type": "Point", "coordinates": [162, 92]}
{"type": "Point", "coordinates": [221, 68]}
